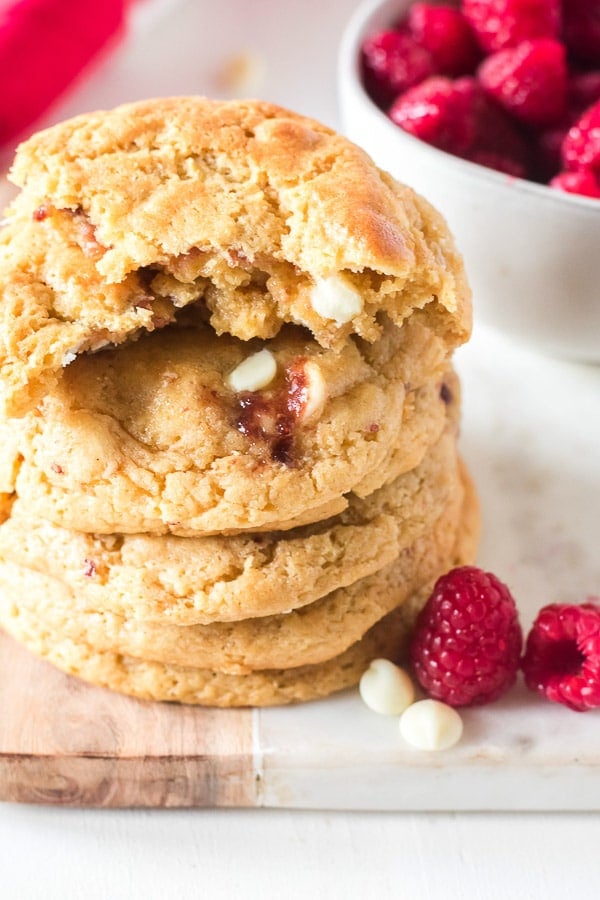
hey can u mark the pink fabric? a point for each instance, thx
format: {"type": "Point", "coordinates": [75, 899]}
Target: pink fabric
{"type": "Point", "coordinates": [44, 45]}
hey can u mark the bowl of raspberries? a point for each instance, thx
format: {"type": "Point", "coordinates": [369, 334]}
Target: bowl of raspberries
{"type": "Point", "coordinates": [491, 110]}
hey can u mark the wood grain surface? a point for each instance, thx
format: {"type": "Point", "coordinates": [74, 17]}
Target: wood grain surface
{"type": "Point", "coordinates": [68, 743]}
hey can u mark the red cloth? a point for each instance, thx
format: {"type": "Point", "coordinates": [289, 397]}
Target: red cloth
{"type": "Point", "coordinates": [44, 45]}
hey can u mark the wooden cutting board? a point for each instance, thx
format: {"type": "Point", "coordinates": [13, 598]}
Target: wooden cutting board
{"type": "Point", "coordinates": [66, 742]}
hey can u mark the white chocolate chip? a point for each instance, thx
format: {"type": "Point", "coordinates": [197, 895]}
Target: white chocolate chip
{"type": "Point", "coordinates": [334, 298]}
{"type": "Point", "coordinates": [431, 725]}
{"type": "Point", "coordinates": [71, 354]}
{"type": "Point", "coordinates": [386, 688]}
{"type": "Point", "coordinates": [316, 392]}
{"type": "Point", "coordinates": [99, 344]}
{"type": "Point", "coordinates": [68, 358]}
{"type": "Point", "coordinates": [254, 373]}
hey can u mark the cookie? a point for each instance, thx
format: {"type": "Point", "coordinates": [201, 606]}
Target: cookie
{"type": "Point", "coordinates": [9, 458]}
{"type": "Point", "coordinates": [190, 581]}
{"type": "Point", "coordinates": [153, 438]}
{"type": "Point", "coordinates": [155, 681]}
{"type": "Point", "coordinates": [310, 634]}
{"type": "Point", "coordinates": [423, 421]}
{"type": "Point", "coordinates": [261, 216]}
{"type": "Point", "coordinates": [469, 537]}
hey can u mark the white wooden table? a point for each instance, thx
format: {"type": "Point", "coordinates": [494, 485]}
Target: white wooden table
{"type": "Point", "coordinates": [285, 52]}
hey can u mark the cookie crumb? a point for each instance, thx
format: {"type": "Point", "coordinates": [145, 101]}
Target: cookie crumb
{"type": "Point", "coordinates": [243, 72]}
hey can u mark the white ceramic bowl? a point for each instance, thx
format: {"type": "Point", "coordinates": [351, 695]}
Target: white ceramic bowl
{"type": "Point", "coordinates": [532, 253]}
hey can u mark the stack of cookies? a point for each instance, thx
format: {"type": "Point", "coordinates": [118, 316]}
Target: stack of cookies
{"type": "Point", "coordinates": [228, 455]}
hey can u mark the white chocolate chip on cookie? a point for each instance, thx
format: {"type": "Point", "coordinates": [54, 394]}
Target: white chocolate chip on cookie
{"type": "Point", "coordinates": [254, 373]}
{"type": "Point", "coordinates": [386, 688]}
{"type": "Point", "coordinates": [431, 725]}
{"type": "Point", "coordinates": [68, 358]}
{"type": "Point", "coordinates": [334, 298]}
{"type": "Point", "coordinates": [316, 392]}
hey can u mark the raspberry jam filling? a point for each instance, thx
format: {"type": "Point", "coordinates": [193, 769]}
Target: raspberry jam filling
{"type": "Point", "coordinates": [270, 418]}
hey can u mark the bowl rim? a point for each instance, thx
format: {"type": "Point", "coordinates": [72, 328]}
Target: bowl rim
{"type": "Point", "coordinates": [349, 76]}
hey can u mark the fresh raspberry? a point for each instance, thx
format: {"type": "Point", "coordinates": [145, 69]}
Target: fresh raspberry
{"type": "Point", "coordinates": [467, 641]}
{"type": "Point", "coordinates": [529, 81]}
{"type": "Point", "coordinates": [446, 34]}
{"type": "Point", "coordinates": [581, 30]}
{"type": "Point", "coordinates": [440, 112]}
{"type": "Point", "coordinates": [562, 655]}
{"type": "Point", "coordinates": [456, 116]}
{"type": "Point", "coordinates": [548, 159]}
{"type": "Point", "coordinates": [583, 182]}
{"type": "Point", "coordinates": [581, 147]}
{"type": "Point", "coordinates": [583, 90]}
{"type": "Point", "coordinates": [505, 23]}
{"type": "Point", "coordinates": [391, 63]}
{"type": "Point", "coordinates": [498, 143]}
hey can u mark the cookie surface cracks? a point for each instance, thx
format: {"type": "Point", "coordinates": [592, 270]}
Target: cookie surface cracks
{"type": "Point", "coordinates": [240, 205]}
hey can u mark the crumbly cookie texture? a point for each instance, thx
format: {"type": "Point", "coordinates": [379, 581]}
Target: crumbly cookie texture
{"type": "Point", "coordinates": [9, 460]}
{"type": "Point", "coordinates": [305, 636]}
{"type": "Point", "coordinates": [151, 437]}
{"type": "Point", "coordinates": [157, 681]}
{"type": "Point", "coordinates": [470, 535]}
{"type": "Point", "coordinates": [195, 581]}
{"type": "Point", "coordinates": [258, 214]}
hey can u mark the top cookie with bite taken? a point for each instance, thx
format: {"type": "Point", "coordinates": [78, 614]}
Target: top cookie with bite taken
{"type": "Point", "coordinates": [260, 216]}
